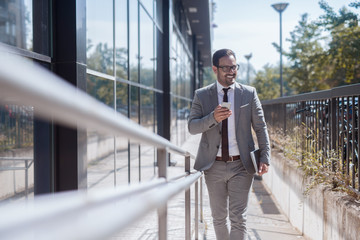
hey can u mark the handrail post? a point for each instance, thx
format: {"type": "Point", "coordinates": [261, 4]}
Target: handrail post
{"type": "Point", "coordinates": [201, 200]}
{"type": "Point", "coordinates": [187, 204]}
{"type": "Point", "coordinates": [162, 160]}
{"type": "Point", "coordinates": [197, 210]}
{"type": "Point", "coordinates": [26, 179]}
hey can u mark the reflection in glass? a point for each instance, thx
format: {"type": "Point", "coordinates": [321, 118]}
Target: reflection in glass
{"type": "Point", "coordinates": [99, 22]}
{"type": "Point", "coordinates": [146, 49]}
{"type": "Point", "coordinates": [121, 164]}
{"type": "Point", "coordinates": [121, 44]}
{"type": "Point", "coordinates": [134, 148]}
{"type": "Point", "coordinates": [134, 163]}
{"type": "Point", "coordinates": [133, 51]}
{"type": "Point", "coordinates": [100, 88]}
{"type": "Point", "coordinates": [122, 153]}
{"type": "Point", "coordinates": [122, 98]}
{"type": "Point", "coordinates": [147, 162]}
{"type": "Point", "coordinates": [100, 155]}
{"type": "Point", "coordinates": [173, 122]}
{"type": "Point", "coordinates": [148, 4]}
{"type": "Point", "coordinates": [16, 151]}
{"type": "Point", "coordinates": [16, 23]}
{"type": "Point", "coordinates": [181, 75]}
{"type": "Point", "coordinates": [147, 116]}
{"type": "Point", "coordinates": [134, 104]}
{"type": "Point", "coordinates": [147, 109]}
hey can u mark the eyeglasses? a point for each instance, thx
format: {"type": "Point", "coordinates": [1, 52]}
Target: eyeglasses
{"type": "Point", "coordinates": [228, 68]}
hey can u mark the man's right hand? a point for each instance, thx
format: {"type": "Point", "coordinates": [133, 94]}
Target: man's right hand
{"type": "Point", "coordinates": [221, 113]}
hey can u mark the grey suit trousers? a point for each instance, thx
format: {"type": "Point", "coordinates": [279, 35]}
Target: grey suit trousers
{"type": "Point", "coordinates": [229, 184]}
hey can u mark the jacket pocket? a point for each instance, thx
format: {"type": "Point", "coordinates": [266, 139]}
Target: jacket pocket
{"type": "Point", "coordinates": [245, 105]}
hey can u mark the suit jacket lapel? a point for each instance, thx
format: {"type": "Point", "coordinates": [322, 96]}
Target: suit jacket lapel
{"type": "Point", "coordinates": [238, 101]}
{"type": "Point", "coordinates": [213, 95]}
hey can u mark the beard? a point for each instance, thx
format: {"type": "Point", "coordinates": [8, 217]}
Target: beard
{"type": "Point", "coordinates": [227, 79]}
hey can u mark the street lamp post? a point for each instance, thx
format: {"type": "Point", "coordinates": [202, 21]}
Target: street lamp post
{"type": "Point", "coordinates": [248, 67]}
{"type": "Point", "coordinates": [280, 7]}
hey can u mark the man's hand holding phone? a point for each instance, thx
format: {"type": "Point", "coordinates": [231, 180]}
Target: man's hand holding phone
{"type": "Point", "coordinates": [222, 111]}
{"type": "Point", "coordinates": [226, 105]}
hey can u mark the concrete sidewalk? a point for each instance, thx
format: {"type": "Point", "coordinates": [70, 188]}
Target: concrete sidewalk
{"type": "Point", "coordinates": [265, 218]}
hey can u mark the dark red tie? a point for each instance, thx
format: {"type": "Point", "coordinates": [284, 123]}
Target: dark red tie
{"type": "Point", "coordinates": [224, 133]}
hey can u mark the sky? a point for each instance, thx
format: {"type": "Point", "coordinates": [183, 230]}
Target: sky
{"type": "Point", "coordinates": [251, 26]}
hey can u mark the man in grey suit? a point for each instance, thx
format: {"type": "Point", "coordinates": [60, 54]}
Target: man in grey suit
{"type": "Point", "coordinates": [226, 143]}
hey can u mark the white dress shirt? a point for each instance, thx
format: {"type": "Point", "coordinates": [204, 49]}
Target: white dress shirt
{"type": "Point", "coordinates": [233, 147]}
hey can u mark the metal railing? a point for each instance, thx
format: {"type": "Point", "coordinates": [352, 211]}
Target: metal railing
{"type": "Point", "coordinates": [27, 164]}
{"type": "Point", "coordinates": [330, 124]}
{"type": "Point", "coordinates": [81, 214]}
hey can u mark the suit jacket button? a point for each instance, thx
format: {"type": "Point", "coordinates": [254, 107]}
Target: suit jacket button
{"type": "Point", "coordinates": [217, 146]}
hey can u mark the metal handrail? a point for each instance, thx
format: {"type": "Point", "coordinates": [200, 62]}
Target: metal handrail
{"type": "Point", "coordinates": [47, 212]}
{"type": "Point", "coordinates": [55, 99]}
{"type": "Point", "coordinates": [342, 91]}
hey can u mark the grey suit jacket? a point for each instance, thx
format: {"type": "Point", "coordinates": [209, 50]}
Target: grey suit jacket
{"type": "Point", "coordinates": [248, 113]}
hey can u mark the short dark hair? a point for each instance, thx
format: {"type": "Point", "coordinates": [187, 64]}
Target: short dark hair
{"type": "Point", "coordinates": [221, 53]}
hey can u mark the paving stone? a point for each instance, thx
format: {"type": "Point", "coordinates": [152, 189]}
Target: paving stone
{"type": "Point", "coordinates": [265, 218]}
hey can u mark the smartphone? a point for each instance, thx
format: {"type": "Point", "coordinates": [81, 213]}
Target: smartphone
{"type": "Point", "coordinates": [226, 105]}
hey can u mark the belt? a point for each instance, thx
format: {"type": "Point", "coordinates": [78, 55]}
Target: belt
{"type": "Point", "coordinates": [231, 158]}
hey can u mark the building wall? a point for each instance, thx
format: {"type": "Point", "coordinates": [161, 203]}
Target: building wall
{"type": "Point", "coordinates": [123, 71]}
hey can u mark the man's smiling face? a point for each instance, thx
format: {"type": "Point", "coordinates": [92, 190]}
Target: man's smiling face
{"type": "Point", "coordinates": [226, 71]}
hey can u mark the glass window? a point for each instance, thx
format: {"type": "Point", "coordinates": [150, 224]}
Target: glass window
{"type": "Point", "coordinates": [134, 46]}
{"type": "Point", "coordinates": [102, 89]}
{"type": "Point", "coordinates": [134, 163]}
{"type": "Point", "coordinates": [121, 163]}
{"type": "Point", "coordinates": [99, 21]}
{"type": "Point", "coordinates": [134, 104]}
{"type": "Point", "coordinates": [16, 151]}
{"type": "Point", "coordinates": [148, 4]}
{"type": "Point", "coordinates": [122, 98]}
{"type": "Point", "coordinates": [147, 109]}
{"type": "Point", "coordinates": [146, 49]}
{"type": "Point", "coordinates": [16, 23]}
{"type": "Point", "coordinates": [121, 44]}
{"type": "Point", "coordinates": [100, 156]}
{"type": "Point", "coordinates": [148, 162]}
{"type": "Point", "coordinates": [159, 13]}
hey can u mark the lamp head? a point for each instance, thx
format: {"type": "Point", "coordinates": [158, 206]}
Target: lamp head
{"type": "Point", "coordinates": [248, 56]}
{"type": "Point", "coordinates": [280, 7]}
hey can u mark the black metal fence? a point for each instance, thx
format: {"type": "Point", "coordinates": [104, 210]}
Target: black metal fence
{"type": "Point", "coordinates": [329, 121]}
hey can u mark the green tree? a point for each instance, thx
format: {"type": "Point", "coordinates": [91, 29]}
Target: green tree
{"type": "Point", "coordinates": [267, 84]}
{"type": "Point", "coordinates": [343, 54]}
{"type": "Point", "coordinates": [305, 55]}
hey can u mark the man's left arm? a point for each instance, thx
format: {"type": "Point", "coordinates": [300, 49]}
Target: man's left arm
{"type": "Point", "coordinates": [260, 128]}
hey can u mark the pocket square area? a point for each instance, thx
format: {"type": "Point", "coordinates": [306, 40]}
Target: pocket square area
{"type": "Point", "coordinates": [245, 105]}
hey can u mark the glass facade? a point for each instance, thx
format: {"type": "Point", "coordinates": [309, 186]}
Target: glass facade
{"type": "Point", "coordinates": [16, 23]}
{"type": "Point", "coordinates": [20, 32]}
{"type": "Point", "coordinates": [128, 86]}
{"type": "Point", "coordinates": [181, 62]}
{"type": "Point", "coordinates": [125, 65]}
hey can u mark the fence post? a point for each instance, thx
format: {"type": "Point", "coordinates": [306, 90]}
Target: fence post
{"type": "Point", "coordinates": [303, 132]}
{"type": "Point", "coordinates": [187, 204]}
{"type": "Point", "coordinates": [162, 160]}
{"type": "Point", "coordinates": [333, 124]}
{"type": "Point", "coordinates": [284, 118]}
